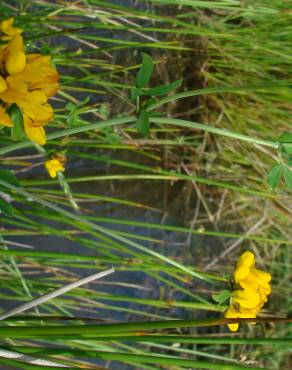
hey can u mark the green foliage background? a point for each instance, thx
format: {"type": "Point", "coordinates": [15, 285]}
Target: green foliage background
{"type": "Point", "coordinates": [212, 190]}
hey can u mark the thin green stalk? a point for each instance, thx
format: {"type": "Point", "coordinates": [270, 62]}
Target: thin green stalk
{"type": "Point", "coordinates": [168, 121]}
{"type": "Point", "coordinates": [88, 330]}
{"type": "Point", "coordinates": [70, 131]}
{"type": "Point", "coordinates": [187, 339]}
{"type": "Point", "coordinates": [217, 90]}
{"type": "Point", "coordinates": [214, 130]}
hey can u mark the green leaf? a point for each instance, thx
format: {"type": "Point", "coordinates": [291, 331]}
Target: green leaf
{"type": "Point", "coordinates": [287, 176]}
{"type": "Point", "coordinates": [5, 207]}
{"type": "Point", "coordinates": [145, 72]}
{"type": "Point", "coordinates": [222, 296]}
{"type": "Point", "coordinates": [142, 124]}
{"type": "Point", "coordinates": [286, 138]}
{"type": "Point", "coordinates": [162, 89]}
{"type": "Point", "coordinates": [275, 175]}
{"type": "Point", "coordinates": [16, 116]}
{"type": "Point", "coordinates": [9, 177]}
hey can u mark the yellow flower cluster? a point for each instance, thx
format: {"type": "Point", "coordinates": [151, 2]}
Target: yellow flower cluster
{"type": "Point", "coordinates": [54, 165]}
{"type": "Point", "coordinates": [27, 80]}
{"type": "Point", "coordinates": [252, 286]}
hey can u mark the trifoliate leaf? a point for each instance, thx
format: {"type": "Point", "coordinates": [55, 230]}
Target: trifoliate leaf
{"type": "Point", "coordinates": [222, 296]}
{"type": "Point", "coordinates": [275, 175]}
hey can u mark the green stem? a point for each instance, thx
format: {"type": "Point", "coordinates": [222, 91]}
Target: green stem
{"type": "Point", "coordinates": [214, 130]}
{"type": "Point", "coordinates": [217, 90]}
{"type": "Point", "coordinates": [70, 131]}
{"type": "Point", "coordinates": [89, 330]}
{"type": "Point", "coordinates": [167, 121]}
{"type": "Point", "coordinates": [165, 338]}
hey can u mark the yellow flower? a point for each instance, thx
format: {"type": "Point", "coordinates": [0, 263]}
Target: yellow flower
{"type": "Point", "coordinates": [53, 166]}
{"type": "Point", "coordinates": [27, 81]}
{"type": "Point", "coordinates": [8, 29]}
{"type": "Point", "coordinates": [252, 286]}
{"type": "Point", "coordinates": [250, 278]}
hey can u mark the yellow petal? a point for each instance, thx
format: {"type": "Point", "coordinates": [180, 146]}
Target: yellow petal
{"type": "Point", "coordinates": [264, 290]}
{"type": "Point", "coordinates": [39, 114]}
{"type": "Point", "coordinates": [35, 134]}
{"type": "Point", "coordinates": [248, 298]}
{"type": "Point", "coordinates": [15, 62]}
{"type": "Point", "coordinates": [245, 313]}
{"type": "Point", "coordinates": [3, 85]}
{"type": "Point", "coordinates": [249, 282]}
{"type": "Point", "coordinates": [262, 275]}
{"type": "Point", "coordinates": [247, 259]}
{"type": "Point", "coordinates": [5, 120]}
{"type": "Point", "coordinates": [231, 314]}
{"type": "Point", "coordinates": [15, 44]}
{"type": "Point", "coordinates": [16, 84]}
{"type": "Point", "coordinates": [241, 272]}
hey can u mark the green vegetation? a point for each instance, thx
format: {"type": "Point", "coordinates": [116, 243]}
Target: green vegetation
{"type": "Point", "coordinates": [174, 117]}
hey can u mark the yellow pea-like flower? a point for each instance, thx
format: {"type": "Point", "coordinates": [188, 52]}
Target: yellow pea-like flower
{"type": "Point", "coordinates": [251, 289]}
{"type": "Point", "coordinates": [27, 80]}
{"type": "Point", "coordinates": [53, 166]}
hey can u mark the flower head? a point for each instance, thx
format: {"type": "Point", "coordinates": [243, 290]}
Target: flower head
{"type": "Point", "coordinates": [252, 286]}
{"type": "Point", "coordinates": [53, 166]}
{"type": "Point", "coordinates": [27, 80]}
